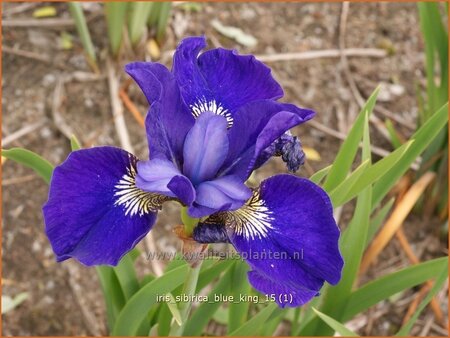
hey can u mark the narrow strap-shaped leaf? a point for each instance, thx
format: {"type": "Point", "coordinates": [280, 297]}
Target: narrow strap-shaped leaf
{"type": "Point", "coordinates": [164, 14]}
{"type": "Point", "coordinates": [347, 152]}
{"type": "Point", "coordinates": [126, 276]}
{"type": "Point", "coordinates": [74, 143]}
{"type": "Point", "coordinates": [206, 310]}
{"type": "Point", "coordinates": [212, 272]}
{"type": "Point", "coordinates": [422, 138]}
{"type": "Point", "coordinates": [373, 173]}
{"type": "Point", "coordinates": [115, 18]}
{"type": "Point", "coordinates": [339, 193]}
{"type": "Point", "coordinates": [137, 307]}
{"type": "Point", "coordinates": [254, 325]}
{"type": "Point", "coordinates": [386, 286]}
{"type": "Point", "coordinates": [237, 314]}
{"type": "Point", "coordinates": [138, 19]}
{"type": "Point", "coordinates": [80, 21]}
{"type": "Point", "coordinates": [377, 220]}
{"type": "Point", "coordinates": [112, 293]}
{"type": "Point", "coordinates": [273, 322]}
{"type": "Point", "coordinates": [352, 245]}
{"type": "Point", "coordinates": [172, 305]}
{"type": "Point", "coordinates": [335, 325]}
{"type": "Point", "coordinates": [318, 176]}
{"type": "Point", "coordinates": [164, 320]}
{"type": "Point", "coordinates": [404, 331]}
{"type": "Point", "coordinates": [31, 160]}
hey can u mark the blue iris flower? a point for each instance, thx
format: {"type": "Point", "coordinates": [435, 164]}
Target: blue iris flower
{"type": "Point", "coordinates": [213, 119]}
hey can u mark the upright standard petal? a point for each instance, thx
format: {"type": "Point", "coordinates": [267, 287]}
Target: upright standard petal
{"type": "Point", "coordinates": [287, 234]}
{"type": "Point", "coordinates": [205, 148]}
{"type": "Point", "coordinates": [220, 80]}
{"type": "Point", "coordinates": [168, 120]}
{"type": "Point", "coordinates": [256, 126]}
{"type": "Point", "coordinates": [95, 213]}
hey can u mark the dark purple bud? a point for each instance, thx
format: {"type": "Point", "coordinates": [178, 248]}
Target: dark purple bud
{"type": "Point", "coordinates": [210, 233]}
{"type": "Point", "coordinates": [286, 146]}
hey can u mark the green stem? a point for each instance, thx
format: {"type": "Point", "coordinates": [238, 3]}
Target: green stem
{"type": "Point", "coordinates": [190, 285]}
{"type": "Point", "coordinates": [189, 222]}
{"type": "Point", "coordinates": [185, 307]}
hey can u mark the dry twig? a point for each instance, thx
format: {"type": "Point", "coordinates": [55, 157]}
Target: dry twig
{"type": "Point", "coordinates": [321, 54]}
{"type": "Point", "coordinates": [131, 107]}
{"type": "Point", "coordinates": [22, 132]}
{"type": "Point", "coordinates": [26, 54]}
{"type": "Point", "coordinates": [55, 23]}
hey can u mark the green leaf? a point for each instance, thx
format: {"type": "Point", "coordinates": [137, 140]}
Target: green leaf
{"type": "Point", "coordinates": [164, 320]}
{"type": "Point", "coordinates": [404, 331]}
{"type": "Point", "coordinates": [273, 322]}
{"type": "Point", "coordinates": [138, 19]}
{"type": "Point", "coordinates": [395, 139]}
{"type": "Point", "coordinates": [254, 325]}
{"type": "Point", "coordinates": [378, 219]}
{"type": "Point", "coordinates": [212, 272]}
{"type": "Point", "coordinates": [372, 174]}
{"type": "Point", "coordinates": [112, 293]}
{"type": "Point", "coordinates": [115, 18]}
{"type": "Point", "coordinates": [238, 311]}
{"type": "Point", "coordinates": [339, 193]}
{"type": "Point", "coordinates": [154, 14]}
{"type": "Point", "coordinates": [335, 325]}
{"type": "Point", "coordinates": [137, 307]}
{"type": "Point", "coordinates": [386, 286]}
{"type": "Point", "coordinates": [163, 19]}
{"type": "Point", "coordinates": [74, 143]}
{"type": "Point", "coordinates": [83, 31]}
{"type": "Point", "coordinates": [352, 245]}
{"type": "Point", "coordinates": [126, 276]}
{"type": "Point", "coordinates": [422, 139]}
{"type": "Point", "coordinates": [203, 314]}
{"type": "Point", "coordinates": [347, 152]}
{"type": "Point", "coordinates": [31, 160]}
{"type": "Point", "coordinates": [320, 175]}
{"type": "Point", "coordinates": [172, 305]}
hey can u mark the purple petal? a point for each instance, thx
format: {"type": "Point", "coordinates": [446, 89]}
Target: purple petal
{"type": "Point", "coordinates": [237, 79]}
{"type": "Point", "coordinates": [94, 212]}
{"type": "Point", "coordinates": [155, 174]}
{"type": "Point", "coordinates": [183, 189]}
{"type": "Point", "coordinates": [205, 148]}
{"type": "Point", "coordinates": [284, 295]}
{"type": "Point", "coordinates": [151, 78]}
{"type": "Point", "coordinates": [227, 190]}
{"type": "Point", "coordinates": [220, 80]}
{"type": "Point", "coordinates": [168, 119]}
{"type": "Point", "coordinates": [162, 177]}
{"type": "Point", "coordinates": [199, 211]}
{"type": "Point", "coordinates": [287, 234]}
{"type": "Point", "coordinates": [256, 126]}
{"type": "Point", "coordinates": [193, 86]}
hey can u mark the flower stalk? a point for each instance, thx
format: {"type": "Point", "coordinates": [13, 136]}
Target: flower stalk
{"type": "Point", "coordinates": [190, 284]}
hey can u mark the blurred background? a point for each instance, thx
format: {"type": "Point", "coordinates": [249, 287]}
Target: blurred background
{"type": "Point", "coordinates": [63, 75]}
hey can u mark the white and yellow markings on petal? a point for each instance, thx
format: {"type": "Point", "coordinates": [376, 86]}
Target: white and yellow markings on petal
{"type": "Point", "coordinates": [253, 220]}
{"type": "Point", "coordinates": [134, 200]}
{"type": "Point", "coordinates": [203, 105]}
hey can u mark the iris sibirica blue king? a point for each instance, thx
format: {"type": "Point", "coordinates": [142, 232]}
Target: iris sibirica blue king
{"type": "Point", "coordinates": [212, 121]}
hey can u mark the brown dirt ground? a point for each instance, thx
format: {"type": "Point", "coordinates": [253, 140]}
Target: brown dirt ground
{"type": "Point", "coordinates": [64, 299]}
